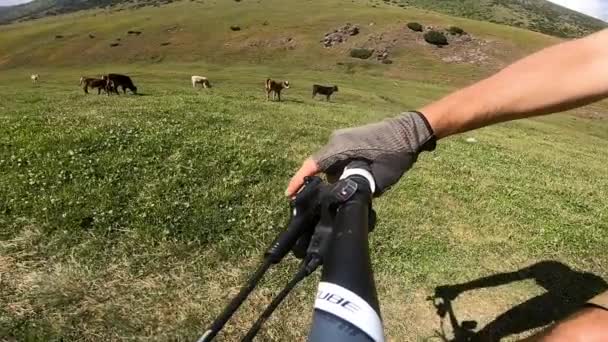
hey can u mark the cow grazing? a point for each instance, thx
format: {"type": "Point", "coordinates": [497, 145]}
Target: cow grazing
{"type": "Point", "coordinates": [123, 81]}
{"type": "Point", "coordinates": [275, 88]}
{"type": "Point", "coordinates": [203, 81]}
{"type": "Point", "coordinates": [323, 90]}
{"type": "Point", "coordinates": [34, 78]}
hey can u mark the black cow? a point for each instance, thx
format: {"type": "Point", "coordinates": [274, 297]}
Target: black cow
{"type": "Point", "coordinates": [123, 81]}
{"type": "Point", "coordinates": [323, 90]}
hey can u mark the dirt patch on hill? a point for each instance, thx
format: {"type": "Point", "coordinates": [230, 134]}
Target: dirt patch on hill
{"type": "Point", "coordinates": [389, 42]}
{"type": "Point", "coordinates": [280, 43]}
{"type": "Point", "coordinates": [464, 48]}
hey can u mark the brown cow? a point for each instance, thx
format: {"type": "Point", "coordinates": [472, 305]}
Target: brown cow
{"type": "Point", "coordinates": [99, 83]}
{"type": "Point", "coordinates": [275, 88]}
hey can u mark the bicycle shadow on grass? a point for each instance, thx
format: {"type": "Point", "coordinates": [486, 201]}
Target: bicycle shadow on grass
{"type": "Point", "coordinates": [566, 291]}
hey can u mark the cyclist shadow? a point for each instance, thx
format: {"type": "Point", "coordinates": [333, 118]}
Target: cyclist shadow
{"type": "Point", "coordinates": [566, 290]}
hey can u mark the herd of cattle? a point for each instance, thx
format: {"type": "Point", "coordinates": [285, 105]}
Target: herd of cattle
{"type": "Point", "coordinates": [108, 83]}
{"type": "Point", "coordinates": [111, 83]}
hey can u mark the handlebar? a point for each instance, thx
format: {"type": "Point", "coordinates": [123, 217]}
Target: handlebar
{"type": "Point", "coordinates": [329, 226]}
{"type": "Point", "coordinates": [346, 307]}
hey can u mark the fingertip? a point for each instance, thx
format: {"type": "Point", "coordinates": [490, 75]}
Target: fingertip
{"type": "Point", "coordinates": [308, 168]}
{"type": "Point", "coordinates": [294, 185]}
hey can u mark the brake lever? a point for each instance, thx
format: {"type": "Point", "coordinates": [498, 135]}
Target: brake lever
{"type": "Point", "coordinates": [303, 218]}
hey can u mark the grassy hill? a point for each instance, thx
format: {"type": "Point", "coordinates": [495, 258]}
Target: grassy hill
{"type": "Point", "coordinates": [540, 16]}
{"type": "Point", "coordinates": [138, 217]}
{"type": "Point", "coordinates": [190, 32]}
{"type": "Point", "coordinates": [43, 8]}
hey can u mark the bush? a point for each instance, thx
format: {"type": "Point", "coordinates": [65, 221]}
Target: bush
{"type": "Point", "coordinates": [455, 30]}
{"type": "Point", "coordinates": [235, 28]}
{"type": "Point", "coordinates": [361, 53]}
{"type": "Point", "coordinates": [435, 38]}
{"type": "Point", "coordinates": [415, 27]}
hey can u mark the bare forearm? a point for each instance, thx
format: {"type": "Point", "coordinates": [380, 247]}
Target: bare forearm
{"type": "Point", "coordinates": [555, 79]}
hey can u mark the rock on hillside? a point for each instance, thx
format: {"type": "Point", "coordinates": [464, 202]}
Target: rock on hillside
{"type": "Point", "coordinates": [340, 35]}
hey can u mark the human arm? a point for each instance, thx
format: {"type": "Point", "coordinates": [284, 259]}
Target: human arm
{"type": "Point", "coordinates": [558, 78]}
{"type": "Point", "coordinates": [555, 79]}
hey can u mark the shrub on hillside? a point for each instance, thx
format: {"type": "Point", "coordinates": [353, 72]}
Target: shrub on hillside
{"type": "Point", "coordinates": [415, 27]}
{"type": "Point", "coordinates": [235, 28]}
{"type": "Point", "coordinates": [361, 53]}
{"type": "Point", "coordinates": [455, 30]}
{"type": "Point", "coordinates": [435, 38]}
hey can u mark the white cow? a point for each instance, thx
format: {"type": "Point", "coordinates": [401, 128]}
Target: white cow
{"type": "Point", "coordinates": [203, 81]}
{"type": "Point", "coordinates": [35, 78]}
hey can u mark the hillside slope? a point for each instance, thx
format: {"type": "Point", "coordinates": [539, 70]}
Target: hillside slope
{"type": "Point", "coordinates": [542, 16]}
{"type": "Point", "coordinates": [192, 32]}
{"type": "Point", "coordinates": [42, 8]}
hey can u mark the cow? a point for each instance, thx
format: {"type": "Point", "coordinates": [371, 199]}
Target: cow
{"type": "Point", "coordinates": [275, 88]}
{"type": "Point", "coordinates": [34, 78]}
{"type": "Point", "coordinates": [123, 81]}
{"type": "Point", "coordinates": [99, 83]}
{"type": "Point", "coordinates": [203, 81]}
{"type": "Point", "coordinates": [323, 90]}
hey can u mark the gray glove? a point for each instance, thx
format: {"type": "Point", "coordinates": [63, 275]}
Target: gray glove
{"type": "Point", "coordinates": [390, 146]}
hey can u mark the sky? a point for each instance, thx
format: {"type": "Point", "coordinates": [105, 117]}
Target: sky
{"type": "Point", "coordinates": [594, 8]}
{"type": "Point", "coordinates": [12, 2]}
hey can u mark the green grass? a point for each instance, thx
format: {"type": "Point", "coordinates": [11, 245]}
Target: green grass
{"type": "Point", "coordinates": [138, 217]}
{"type": "Point", "coordinates": [124, 216]}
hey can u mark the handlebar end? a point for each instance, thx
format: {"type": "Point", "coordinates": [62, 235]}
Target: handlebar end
{"type": "Point", "coordinates": [360, 170]}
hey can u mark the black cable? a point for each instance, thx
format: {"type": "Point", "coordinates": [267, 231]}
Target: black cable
{"type": "Point", "coordinates": [306, 268]}
{"type": "Point", "coordinates": [219, 323]}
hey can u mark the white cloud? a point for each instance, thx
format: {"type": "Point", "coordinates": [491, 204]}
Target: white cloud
{"type": "Point", "coordinates": [594, 8]}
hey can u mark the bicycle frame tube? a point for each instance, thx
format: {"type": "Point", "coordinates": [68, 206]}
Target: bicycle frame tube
{"type": "Point", "coordinates": [346, 307]}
